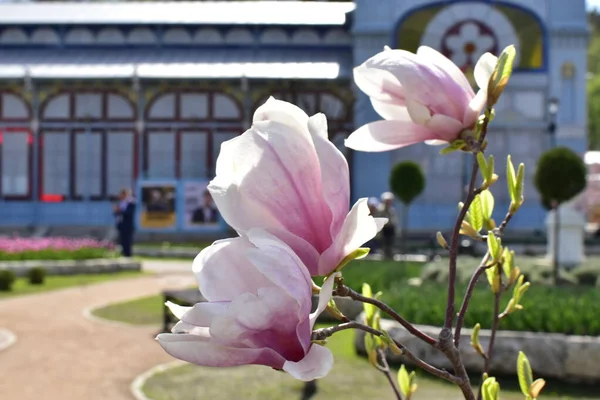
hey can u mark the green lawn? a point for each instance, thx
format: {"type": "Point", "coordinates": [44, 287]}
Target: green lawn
{"type": "Point", "coordinates": [352, 377]}
{"type": "Point", "coordinates": [143, 311]}
{"type": "Point", "coordinates": [22, 286]}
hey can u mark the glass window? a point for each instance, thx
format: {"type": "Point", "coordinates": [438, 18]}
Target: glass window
{"type": "Point", "coordinates": [161, 155]}
{"type": "Point", "coordinates": [13, 107]}
{"type": "Point", "coordinates": [15, 164]}
{"type": "Point", "coordinates": [119, 161]}
{"type": "Point", "coordinates": [58, 107]}
{"type": "Point", "coordinates": [88, 105]}
{"type": "Point", "coordinates": [56, 163]}
{"type": "Point", "coordinates": [119, 107]}
{"type": "Point", "coordinates": [224, 107]}
{"type": "Point", "coordinates": [194, 154]}
{"type": "Point", "coordinates": [194, 105]}
{"type": "Point", "coordinates": [163, 107]}
{"type": "Point", "coordinates": [88, 164]}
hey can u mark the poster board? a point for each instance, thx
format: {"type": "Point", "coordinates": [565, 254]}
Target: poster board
{"type": "Point", "coordinates": [158, 201]}
{"type": "Point", "coordinates": [199, 209]}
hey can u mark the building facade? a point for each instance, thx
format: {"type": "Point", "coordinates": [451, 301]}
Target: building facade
{"type": "Point", "coordinates": [95, 97]}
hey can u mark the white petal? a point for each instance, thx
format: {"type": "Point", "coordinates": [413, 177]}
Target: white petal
{"type": "Point", "coordinates": [484, 68]}
{"type": "Point", "coordinates": [282, 112]}
{"type": "Point", "coordinates": [176, 309]}
{"type": "Point", "coordinates": [418, 112]}
{"type": "Point", "coordinates": [391, 111]}
{"type": "Point", "coordinates": [316, 364]}
{"type": "Point", "coordinates": [324, 297]}
{"type": "Point", "coordinates": [445, 64]}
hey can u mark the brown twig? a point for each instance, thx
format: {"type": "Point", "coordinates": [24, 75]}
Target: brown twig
{"type": "Point", "coordinates": [324, 333]}
{"type": "Point", "coordinates": [385, 369]}
{"type": "Point", "coordinates": [495, 324]}
{"type": "Point", "coordinates": [345, 291]}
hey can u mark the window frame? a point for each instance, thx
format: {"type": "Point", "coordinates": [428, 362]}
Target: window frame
{"type": "Point", "coordinates": [17, 130]}
{"type": "Point", "coordinates": [211, 106]}
{"type": "Point", "coordinates": [72, 115]}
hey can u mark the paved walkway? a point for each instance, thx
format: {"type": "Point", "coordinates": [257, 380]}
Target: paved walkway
{"type": "Point", "coordinates": [61, 355]}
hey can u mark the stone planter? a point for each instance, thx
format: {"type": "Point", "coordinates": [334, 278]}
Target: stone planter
{"type": "Point", "coordinates": [73, 267]}
{"type": "Point", "coordinates": [350, 308]}
{"type": "Point", "coordinates": [563, 357]}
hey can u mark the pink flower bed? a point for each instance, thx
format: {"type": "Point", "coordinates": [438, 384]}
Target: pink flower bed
{"type": "Point", "coordinates": [19, 245]}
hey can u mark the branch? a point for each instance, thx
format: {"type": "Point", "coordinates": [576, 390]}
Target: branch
{"type": "Point", "coordinates": [474, 279]}
{"type": "Point", "coordinates": [427, 367]}
{"type": "Point", "coordinates": [495, 323]}
{"type": "Point", "coordinates": [385, 368]}
{"type": "Point", "coordinates": [454, 248]}
{"type": "Point", "coordinates": [345, 291]}
{"type": "Point", "coordinates": [324, 333]}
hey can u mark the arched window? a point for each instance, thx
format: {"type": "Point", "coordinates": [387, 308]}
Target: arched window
{"type": "Point", "coordinates": [96, 159]}
{"type": "Point", "coordinates": [15, 148]}
{"type": "Point", "coordinates": [197, 122]}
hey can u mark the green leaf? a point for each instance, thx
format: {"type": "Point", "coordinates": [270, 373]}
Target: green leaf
{"type": "Point", "coordinates": [493, 276]}
{"type": "Point", "coordinates": [369, 308]}
{"type": "Point", "coordinates": [508, 262]}
{"type": "Point", "coordinates": [487, 204]}
{"type": "Point", "coordinates": [490, 389]}
{"type": "Point", "coordinates": [357, 254]}
{"type": "Point", "coordinates": [452, 147]}
{"type": "Point", "coordinates": [494, 246]}
{"type": "Point", "coordinates": [520, 183]}
{"type": "Point", "coordinates": [511, 179]}
{"type": "Point", "coordinates": [490, 165]}
{"type": "Point", "coordinates": [524, 373]}
{"type": "Point", "coordinates": [404, 381]}
{"type": "Point", "coordinates": [476, 214]}
{"type": "Point", "coordinates": [482, 165]}
{"type": "Point", "coordinates": [371, 348]}
{"type": "Point", "coordinates": [501, 75]}
{"type": "Point", "coordinates": [475, 340]}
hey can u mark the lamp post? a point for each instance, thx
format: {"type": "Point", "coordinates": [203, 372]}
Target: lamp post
{"type": "Point", "coordinates": [552, 113]}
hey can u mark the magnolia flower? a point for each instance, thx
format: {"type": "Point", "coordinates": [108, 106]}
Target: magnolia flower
{"type": "Point", "coordinates": [259, 298]}
{"type": "Point", "coordinates": [285, 176]}
{"type": "Point", "coordinates": [423, 97]}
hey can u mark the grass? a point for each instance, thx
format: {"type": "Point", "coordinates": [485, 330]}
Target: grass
{"type": "Point", "coordinates": [22, 286]}
{"type": "Point", "coordinates": [143, 311]}
{"type": "Point", "coordinates": [351, 378]}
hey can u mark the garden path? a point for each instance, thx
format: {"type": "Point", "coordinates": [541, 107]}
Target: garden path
{"type": "Point", "coordinates": [61, 355]}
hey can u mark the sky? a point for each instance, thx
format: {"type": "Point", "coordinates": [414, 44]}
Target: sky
{"type": "Point", "coordinates": [593, 3]}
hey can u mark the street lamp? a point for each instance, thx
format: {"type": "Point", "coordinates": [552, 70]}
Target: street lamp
{"type": "Point", "coordinates": [552, 113]}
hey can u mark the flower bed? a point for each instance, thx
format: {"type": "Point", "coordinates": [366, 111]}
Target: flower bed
{"type": "Point", "coordinates": [58, 248]}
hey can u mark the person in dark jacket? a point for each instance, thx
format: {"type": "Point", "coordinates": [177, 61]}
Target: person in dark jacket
{"type": "Point", "coordinates": [207, 213]}
{"type": "Point", "coordinates": [125, 219]}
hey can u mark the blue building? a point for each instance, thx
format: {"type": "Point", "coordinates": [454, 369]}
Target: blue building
{"type": "Point", "coordinates": [99, 96]}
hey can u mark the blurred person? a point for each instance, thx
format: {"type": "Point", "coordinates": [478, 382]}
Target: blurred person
{"type": "Point", "coordinates": [125, 219]}
{"type": "Point", "coordinates": [207, 213]}
{"type": "Point", "coordinates": [387, 210]}
{"type": "Point", "coordinates": [157, 202]}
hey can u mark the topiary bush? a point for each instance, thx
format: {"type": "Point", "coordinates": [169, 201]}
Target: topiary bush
{"type": "Point", "coordinates": [560, 175]}
{"type": "Point", "coordinates": [7, 278]}
{"type": "Point", "coordinates": [407, 181]}
{"type": "Point", "coordinates": [36, 276]}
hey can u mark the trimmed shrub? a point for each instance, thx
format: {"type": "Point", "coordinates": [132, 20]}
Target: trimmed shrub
{"type": "Point", "coordinates": [407, 181]}
{"type": "Point", "coordinates": [560, 175]}
{"type": "Point", "coordinates": [36, 276]}
{"type": "Point", "coordinates": [7, 278]}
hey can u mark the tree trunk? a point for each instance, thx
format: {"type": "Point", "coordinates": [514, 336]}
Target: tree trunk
{"type": "Point", "coordinates": [555, 263]}
{"type": "Point", "coordinates": [404, 229]}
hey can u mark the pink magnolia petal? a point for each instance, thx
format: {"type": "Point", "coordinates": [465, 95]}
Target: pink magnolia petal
{"type": "Point", "coordinates": [223, 271]}
{"type": "Point", "coordinates": [282, 112]}
{"type": "Point", "coordinates": [377, 83]}
{"type": "Point", "coordinates": [335, 175]}
{"type": "Point", "coordinates": [391, 111]}
{"type": "Point", "coordinates": [324, 297]}
{"type": "Point", "coordinates": [447, 128]}
{"type": "Point", "coordinates": [473, 111]}
{"type": "Point", "coordinates": [359, 227]}
{"type": "Point", "coordinates": [276, 260]}
{"type": "Point", "coordinates": [418, 112]}
{"type": "Point", "coordinates": [276, 183]}
{"type": "Point", "coordinates": [203, 351]}
{"type": "Point", "coordinates": [203, 314]}
{"type": "Point", "coordinates": [483, 70]}
{"type": "Point", "coordinates": [388, 135]}
{"type": "Point", "coordinates": [444, 63]}
{"type": "Point", "coordinates": [177, 310]}
{"type": "Point", "coordinates": [184, 327]}
{"type": "Point", "coordinates": [316, 364]}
